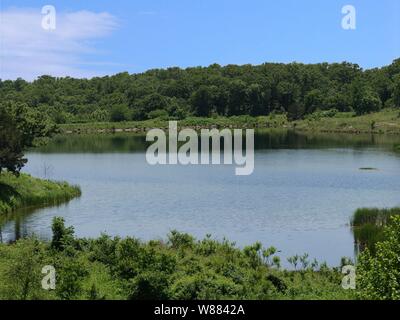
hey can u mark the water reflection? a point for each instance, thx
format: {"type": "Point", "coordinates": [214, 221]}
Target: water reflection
{"type": "Point", "coordinates": [264, 139]}
{"type": "Point", "coordinates": [18, 219]}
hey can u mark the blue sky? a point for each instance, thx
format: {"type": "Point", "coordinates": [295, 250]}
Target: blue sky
{"type": "Point", "coordinates": [105, 37]}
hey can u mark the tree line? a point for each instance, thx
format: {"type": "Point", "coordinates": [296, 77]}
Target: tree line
{"type": "Point", "coordinates": [294, 89]}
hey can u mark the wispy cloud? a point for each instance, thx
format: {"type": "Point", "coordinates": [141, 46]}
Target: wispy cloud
{"type": "Point", "coordinates": [27, 50]}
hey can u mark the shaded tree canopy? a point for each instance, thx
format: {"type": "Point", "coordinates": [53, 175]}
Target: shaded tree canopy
{"type": "Point", "coordinates": [20, 127]}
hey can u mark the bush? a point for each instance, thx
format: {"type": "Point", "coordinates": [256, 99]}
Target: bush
{"type": "Point", "coordinates": [370, 102]}
{"type": "Point", "coordinates": [149, 285]}
{"type": "Point", "coordinates": [160, 114]}
{"type": "Point", "coordinates": [205, 286]}
{"type": "Point", "coordinates": [378, 275]}
{"type": "Point", "coordinates": [119, 113]}
{"type": "Point", "coordinates": [182, 268]}
{"type": "Point", "coordinates": [179, 240]}
{"type": "Point", "coordinates": [62, 236]}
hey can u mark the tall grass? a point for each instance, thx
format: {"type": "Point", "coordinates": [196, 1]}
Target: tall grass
{"type": "Point", "coordinates": [368, 225]}
{"type": "Point", "coordinates": [26, 191]}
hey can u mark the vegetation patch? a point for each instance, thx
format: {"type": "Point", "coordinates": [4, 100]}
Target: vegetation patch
{"type": "Point", "coordinates": [384, 121]}
{"type": "Point", "coordinates": [179, 268]}
{"type": "Point", "coordinates": [300, 91]}
{"type": "Point", "coordinates": [378, 273]}
{"type": "Point", "coordinates": [183, 268]}
{"type": "Point", "coordinates": [25, 191]}
{"type": "Point", "coordinates": [368, 225]}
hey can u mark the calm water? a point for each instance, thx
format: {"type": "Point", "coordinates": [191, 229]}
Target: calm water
{"type": "Point", "coordinates": [300, 197]}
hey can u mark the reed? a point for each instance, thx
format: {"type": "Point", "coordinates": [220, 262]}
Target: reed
{"type": "Point", "coordinates": [368, 225]}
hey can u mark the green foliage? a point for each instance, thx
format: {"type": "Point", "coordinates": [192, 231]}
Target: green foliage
{"type": "Point", "coordinates": [378, 274]}
{"type": "Point", "coordinates": [70, 275]}
{"type": "Point", "coordinates": [368, 226]}
{"type": "Point", "coordinates": [314, 100]}
{"type": "Point", "coordinates": [20, 127]}
{"type": "Point", "coordinates": [181, 268]}
{"type": "Point", "coordinates": [179, 240]}
{"type": "Point", "coordinates": [295, 89]}
{"type": "Point", "coordinates": [202, 101]}
{"type": "Point", "coordinates": [62, 236]}
{"type": "Point", "coordinates": [396, 90]}
{"type": "Point", "coordinates": [20, 271]}
{"type": "Point", "coordinates": [119, 113]}
{"type": "Point", "coordinates": [26, 191]}
{"type": "Point", "coordinates": [160, 114]}
{"type": "Point", "coordinates": [148, 285]}
{"type": "Point", "coordinates": [370, 102]}
{"type": "Point", "coordinates": [317, 115]}
{"type": "Point", "coordinates": [11, 146]}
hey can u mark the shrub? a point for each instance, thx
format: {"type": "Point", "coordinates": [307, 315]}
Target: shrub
{"type": "Point", "coordinates": [62, 236]}
{"type": "Point", "coordinates": [378, 275]}
{"type": "Point", "coordinates": [119, 113]}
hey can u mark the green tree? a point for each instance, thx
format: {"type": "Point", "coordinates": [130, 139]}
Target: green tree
{"type": "Point", "coordinates": [370, 102]}
{"type": "Point", "coordinates": [201, 101]}
{"type": "Point", "coordinates": [255, 100]}
{"type": "Point", "coordinates": [313, 101]}
{"type": "Point", "coordinates": [237, 97]}
{"type": "Point", "coordinates": [119, 112]}
{"type": "Point", "coordinates": [11, 146]}
{"type": "Point", "coordinates": [20, 128]}
{"type": "Point", "coordinates": [396, 91]}
{"type": "Point", "coordinates": [62, 236]}
{"type": "Point", "coordinates": [364, 99]}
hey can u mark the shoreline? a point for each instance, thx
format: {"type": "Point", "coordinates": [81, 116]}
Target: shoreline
{"type": "Point", "coordinates": [144, 130]}
{"type": "Point", "coordinates": [384, 122]}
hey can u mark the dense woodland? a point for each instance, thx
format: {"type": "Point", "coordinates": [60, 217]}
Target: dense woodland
{"type": "Point", "coordinates": [295, 89]}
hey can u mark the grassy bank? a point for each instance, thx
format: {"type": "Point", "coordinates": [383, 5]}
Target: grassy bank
{"type": "Point", "coordinates": [177, 268]}
{"type": "Point", "coordinates": [26, 191]}
{"type": "Point", "coordinates": [272, 121]}
{"type": "Point", "coordinates": [385, 121]}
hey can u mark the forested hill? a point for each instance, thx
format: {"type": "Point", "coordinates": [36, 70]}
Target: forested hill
{"type": "Point", "coordinates": [295, 89]}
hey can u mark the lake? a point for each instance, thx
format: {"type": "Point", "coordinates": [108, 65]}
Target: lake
{"type": "Point", "coordinates": [300, 198]}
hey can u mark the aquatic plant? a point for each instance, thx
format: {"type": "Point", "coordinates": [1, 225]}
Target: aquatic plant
{"type": "Point", "coordinates": [368, 225]}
